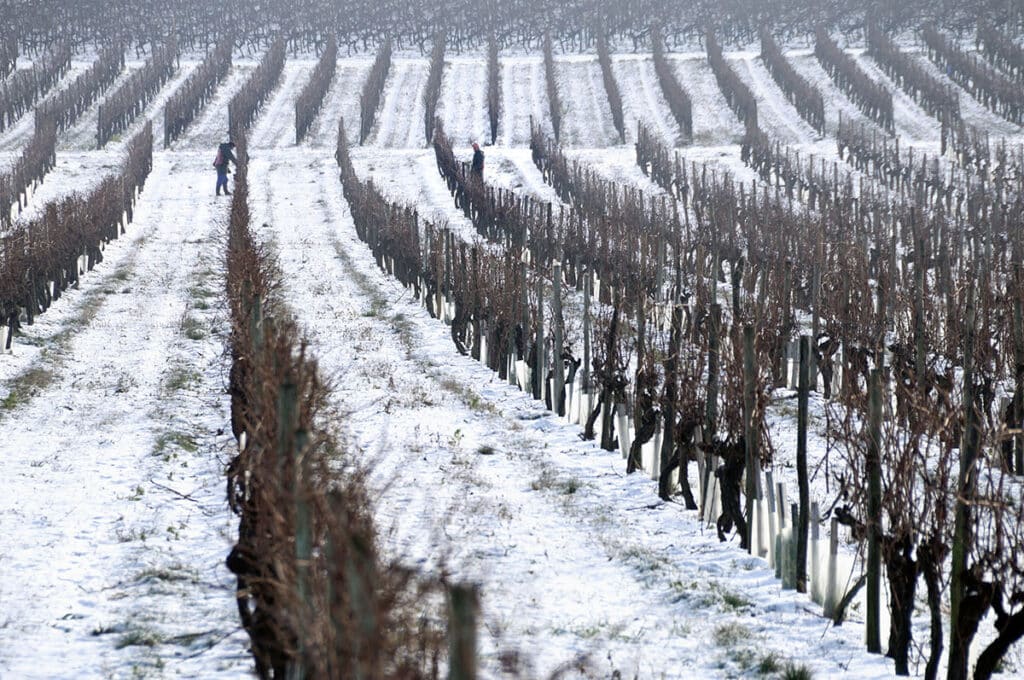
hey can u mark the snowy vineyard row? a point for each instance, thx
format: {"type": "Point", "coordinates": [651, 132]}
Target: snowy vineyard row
{"type": "Point", "coordinates": [45, 256]}
{"type": "Point", "coordinates": [314, 595]}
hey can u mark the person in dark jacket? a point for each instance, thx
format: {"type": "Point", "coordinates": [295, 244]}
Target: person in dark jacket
{"type": "Point", "coordinates": [478, 161]}
{"type": "Point", "coordinates": [224, 156]}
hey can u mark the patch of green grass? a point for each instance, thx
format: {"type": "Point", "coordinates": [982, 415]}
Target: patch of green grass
{"type": "Point", "coordinates": [26, 386]}
{"type": "Point", "coordinates": [549, 481]}
{"type": "Point", "coordinates": [174, 439]}
{"type": "Point", "coordinates": [795, 672]}
{"type": "Point", "coordinates": [644, 559]}
{"type": "Point", "coordinates": [192, 328]}
{"type": "Point", "coordinates": [175, 573]}
{"type": "Point", "coordinates": [735, 601]}
{"type": "Point", "coordinates": [180, 378]}
{"type": "Point", "coordinates": [744, 657]}
{"type": "Point", "coordinates": [769, 664]}
{"type": "Point", "coordinates": [731, 634]}
{"type": "Point", "coordinates": [139, 636]}
{"type": "Point", "coordinates": [200, 292]}
{"type": "Point", "coordinates": [470, 398]}
{"type": "Point", "coordinates": [131, 535]}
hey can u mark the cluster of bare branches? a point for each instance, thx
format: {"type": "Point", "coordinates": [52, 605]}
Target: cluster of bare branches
{"type": "Point", "coordinates": [363, 24]}
{"type": "Point", "coordinates": [373, 90]}
{"type": "Point", "coordinates": [248, 101]}
{"type": "Point", "coordinates": [994, 90]}
{"type": "Point", "coordinates": [737, 95]}
{"type": "Point", "coordinates": [8, 54]}
{"type": "Point", "coordinates": [311, 98]}
{"type": "Point", "coordinates": [655, 159]}
{"type": "Point", "coordinates": [551, 80]}
{"type": "Point", "coordinates": [66, 106]}
{"type": "Point", "coordinates": [24, 87]}
{"type": "Point", "coordinates": [1000, 50]}
{"type": "Point", "coordinates": [314, 594]}
{"type": "Point", "coordinates": [871, 98]}
{"type": "Point", "coordinates": [432, 91]}
{"type": "Point", "coordinates": [186, 103]}
{"type": "Point", "coordinates": [881, 159]}
{"type": "Point", "coordinates": [40, 259]}
{"type": "Point", "coordinates": [675, 94]}
{"type": "Point", "coordinates": [897, 295]}
{"type": "Point", "coordinates": [937, 98]}
{"type": "Point", "coordinates": [812, 183]}
{"type": "Point", "coordinates": [30, 167]}
{"type": "Point", "coordinates": [804, 97]}
{"type": "Point", "coordinates": [121, 107]}
{"type": "Point", "coordinates": [596, 198]}
{"type": "Point", "coordinates": [611, 88]}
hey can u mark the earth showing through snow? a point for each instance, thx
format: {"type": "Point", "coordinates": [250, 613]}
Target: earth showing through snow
{"type": "Point", "coordinates": [115, 414]}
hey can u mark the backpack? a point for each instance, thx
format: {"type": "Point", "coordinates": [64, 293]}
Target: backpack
{"type": "Point", "coordinates": [219, 161]}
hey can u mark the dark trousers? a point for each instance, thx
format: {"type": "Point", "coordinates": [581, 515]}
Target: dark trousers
{"type": "Point", "coordinates": [222, 181]}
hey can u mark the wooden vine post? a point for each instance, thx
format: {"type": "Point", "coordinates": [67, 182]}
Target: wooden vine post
{"type": "Point", "coordinates": [587, 283]}
{"type": "Point", "coordinates": [749, 431]}
{"type": "Point", "coordinates": [462, 606]}
{"type": "Point", "coordinates": [959, 640]}
{"type": "Point", "coordinates": [539, 377]}
{"type": "Point", "coordinates": [801, 465]}
{"type": "Point", "coordinates": [874, 471]}
{"type": "Point", "coordinates": [711, 408]}
{"type": "Point", "coordinates": [557, 401]}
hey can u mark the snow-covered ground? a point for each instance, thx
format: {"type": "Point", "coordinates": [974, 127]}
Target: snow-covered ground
{"type": "Point", "coordinates": [523, 96]}
{"type": "Point", "coordinates": [399, 122]}
{"type": "Point", "coordinates": [275, 127]}
{"type": "Point", "coordinates": [115, 520]}
{"type": "Point", "coordinates": [114, 409]}
{"type": "Point", "coordinates": [341, 102]}
{"type": "Point", "coordinates": [211, 126]}
{"type": "Point", "coordinates": [643, 100]}
{"type": "Point", "coordinates": [463, 104]}
{"type": "Point", "coordinates": [586, 114]}
{"type": "Point", "coordinates": [775, 115]}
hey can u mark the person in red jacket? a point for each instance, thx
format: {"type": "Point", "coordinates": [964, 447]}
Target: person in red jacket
{"type": "Point", "coordinates": [224, 156]}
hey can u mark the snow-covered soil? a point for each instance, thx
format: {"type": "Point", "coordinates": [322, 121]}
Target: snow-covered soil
{"type": "Point", "coordinates": [523, 96]}
{"type": "Point", "coordinates": [399, 123]}
{"type": "Point", "coordinates": [643, 100]}
{"type": "Point", "coordinates": [211, 126]}
{"type": "Point", "coordinates": [275, 127]}
{"type": "Point", "coordinates": [775, 115]}
{"type": "Point", "coordinates": [116, 525]}
{"type": "Point", "coordinates": [82, 135]}
{"type": "Point", "coordinates": [971, 110]}
{"type": "Point", "coordinates": [836, 103]}
{"type": "Point", "coordinates": [513, 169]}
{"type": "Point", "coordinates": [341, 102]}
{"type": "Point", "coordinates": [714, 123]}
{"type": "Point", "coordinates": [75, 172]}
{"type": "Point", "coordinates": [586, 115]}
{"type": "Point", "coordinates": [912, 123]}
{"type": "Point", "coordinates": [463, 104]}
{"type": "Point", "coordinates": [411, 177]}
